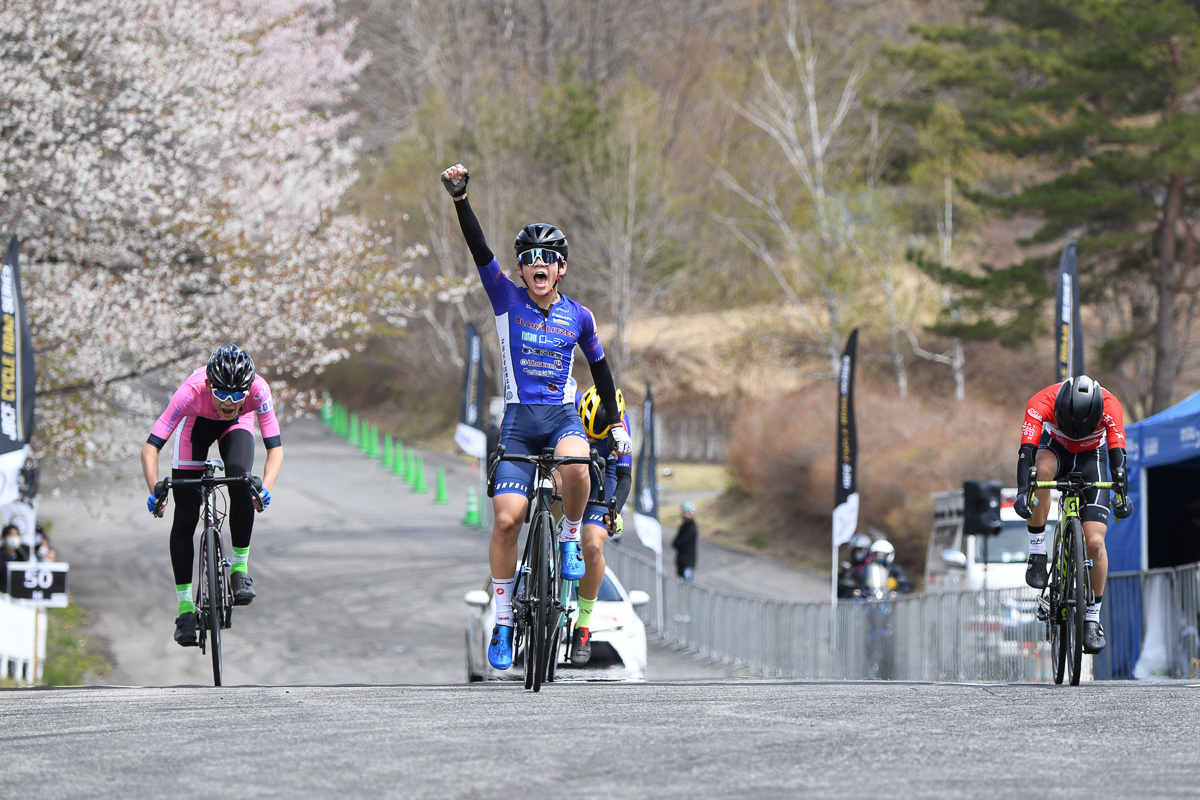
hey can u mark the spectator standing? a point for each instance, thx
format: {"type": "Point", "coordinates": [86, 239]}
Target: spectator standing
{"type": "Point", "coordinates": [11, 549]}
{"type": "Point", "coordinates": [685, 542]}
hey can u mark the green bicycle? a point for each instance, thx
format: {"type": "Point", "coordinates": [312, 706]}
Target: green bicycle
{"type": "Point", "coordinates": [1063, 603]}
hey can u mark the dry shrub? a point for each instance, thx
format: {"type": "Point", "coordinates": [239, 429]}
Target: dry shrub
{"type": "Point", "coordinates": [782, 452]}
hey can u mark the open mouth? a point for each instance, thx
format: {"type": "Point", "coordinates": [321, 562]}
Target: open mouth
{"type": "Point", "coordinates": [541, 278]}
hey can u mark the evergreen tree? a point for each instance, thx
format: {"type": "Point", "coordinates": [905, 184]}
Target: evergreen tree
{"type": "Point", "coordinates": [1097, 99]}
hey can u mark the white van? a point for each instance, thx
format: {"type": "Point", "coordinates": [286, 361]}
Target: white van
{"type": "Point", "coordinates": [955, 561]}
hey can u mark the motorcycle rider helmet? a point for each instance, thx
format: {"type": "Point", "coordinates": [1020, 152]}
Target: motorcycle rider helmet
{"type": "Point", "coordinates": [860, 546]}
{"type": "Point", "coordinates": [591, 413]}
{"type": "Point", "coordinates": [230, 368]}
{"type": "Point", "coordinates": [1078, 407]}
{"type": "Point", "coordinates": [883, 552]}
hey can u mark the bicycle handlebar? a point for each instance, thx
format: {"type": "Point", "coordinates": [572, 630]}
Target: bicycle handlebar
{"type": "Point", "coordinates": [211, 481]}
{"type": "Point", "coordinates": [547, 460]}
{"type": "Point", "coordinates": [1073, 485]}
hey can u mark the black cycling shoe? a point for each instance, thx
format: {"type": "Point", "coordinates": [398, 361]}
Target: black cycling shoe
{"type": "Point", "coordinates": [185, 629]}
{"type": "Point", "coordinates": [1035, 571]}
{"type": "Point", "coordinates": [243, 589]}
{"type": "Point", "coordinates": [581, 646]}
{"type": "Point", "coordinates": [1093, 637]}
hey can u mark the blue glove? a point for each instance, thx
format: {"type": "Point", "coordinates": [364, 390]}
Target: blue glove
{"type": "Point", "coordinates": [265, 495]}
{"type": "Point", "coordinates": [152, 504]}
{"type": "Point", "coordinates": [1021, 506]}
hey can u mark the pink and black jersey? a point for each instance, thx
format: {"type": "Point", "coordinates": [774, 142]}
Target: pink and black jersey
{"type": "Point", "coordinates": [193, 401]}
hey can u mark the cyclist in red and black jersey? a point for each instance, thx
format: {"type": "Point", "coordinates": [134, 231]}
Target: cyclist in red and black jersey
{"type": "Point", "coordinates": [1066, 426]}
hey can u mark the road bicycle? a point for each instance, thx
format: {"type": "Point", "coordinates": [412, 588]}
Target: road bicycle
{"type": "Point", "coordinates": [214, 595]}
{"type": "Point", "coordinates": [569, 591]}
{"type": "Point", "coordinates": [1063, 603]}
{"type": "Point", "coordinates": [539, 608]}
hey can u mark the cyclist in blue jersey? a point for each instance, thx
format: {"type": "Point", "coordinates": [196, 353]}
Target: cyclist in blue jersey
{"type": "Point", "coordinates": [539, 329]}
{"type": "Point", "coordinates": [597, 526]}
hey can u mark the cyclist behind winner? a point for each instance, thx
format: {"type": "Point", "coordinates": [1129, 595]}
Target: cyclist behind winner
{"type": "Point", "coordinates": [539, 329]}
{"type": "Point", "coordinates": [1065, 426]}
{"type": "Point", "coordinates": [618, 476]}
{"type": "Point", "coordinates": [217, 403]}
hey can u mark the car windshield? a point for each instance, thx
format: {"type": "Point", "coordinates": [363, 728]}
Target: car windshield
{"type": "Point", "coordinates": [608, 591]}
{"type": "Point", "coordinates": [1010, 546]}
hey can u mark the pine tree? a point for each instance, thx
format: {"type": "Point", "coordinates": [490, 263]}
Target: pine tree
{"type": "Point", "coordinates": [1098, 100]}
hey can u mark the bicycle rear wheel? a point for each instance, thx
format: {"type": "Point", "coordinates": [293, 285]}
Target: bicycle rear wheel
{"type": "Point", "coordinates": [1079, 587]}
{"type": "Point", "coordinates": [215, 605]}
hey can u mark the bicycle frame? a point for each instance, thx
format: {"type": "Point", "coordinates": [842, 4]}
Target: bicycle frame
{"type": "Point", "coordinates": [540, 606]}
{"type": "Point", "coordinates": [1069, 591]}
{"type": "Point", "coordinates": [214, 594]}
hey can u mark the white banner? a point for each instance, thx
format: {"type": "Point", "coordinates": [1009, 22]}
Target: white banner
{"type": "Point", "coordinates": [472, 440]}
{"type": "Point", "coordinates": [649, 531]}
{"type": "Point", "coordinates": [10, 474]}
{"type": "Point", "coordinates": [845, 520]}
{"type": "Point", "coordinates": [24, 516]}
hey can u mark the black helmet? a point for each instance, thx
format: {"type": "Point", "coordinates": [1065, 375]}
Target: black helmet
{"type": "Point", "coordinates": [1078, 407]}
{"type": "Point", "coordinates": [540, 234]}
{"type": "Point", "coordinates": [231, 368]}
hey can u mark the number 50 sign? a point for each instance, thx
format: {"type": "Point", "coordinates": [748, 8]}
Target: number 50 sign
{"type": "Point", "coordinates": [42, 582]}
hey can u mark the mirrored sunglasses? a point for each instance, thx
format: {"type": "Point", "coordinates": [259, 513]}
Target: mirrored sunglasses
{"type": "Point", "coordinates": [227, 396]}
{"type": "Point", "coordinates": [548, 257]}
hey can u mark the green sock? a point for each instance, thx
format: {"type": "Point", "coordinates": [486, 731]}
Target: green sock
{"type": "Point", "coordinates": [240, 556]}
{"type": "Point", "coordinates": [184, 592]}
{"type": "Point", "coordinates": [585, 613]}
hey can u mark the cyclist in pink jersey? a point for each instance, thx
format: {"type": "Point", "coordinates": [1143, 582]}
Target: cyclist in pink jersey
{"type": "Point", "coordinates": [217, 403]}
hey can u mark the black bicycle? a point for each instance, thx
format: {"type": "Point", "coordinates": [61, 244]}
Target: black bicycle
{"type": "Point", "coordinates": [214, 595]}
{"type": "Point", "coordinates": [537, 607]}
{"type": "Point", "coordinates": [1063, 603]}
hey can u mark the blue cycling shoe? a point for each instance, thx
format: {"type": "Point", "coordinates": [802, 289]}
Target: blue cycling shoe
{"type": "Point", "coordinates": [571, 558]}
{"type": "Point", "coordinates": [500, 650]}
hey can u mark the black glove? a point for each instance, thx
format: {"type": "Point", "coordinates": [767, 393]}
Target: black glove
{"type": "Point", "coordinates": [456, 189]}
{"type": "Point", "coordinates": [1021, 506]}
{"type": "Point", "coordinates": [1122, 505]}
{"type": "Point", "coordinates": [1123, 509]}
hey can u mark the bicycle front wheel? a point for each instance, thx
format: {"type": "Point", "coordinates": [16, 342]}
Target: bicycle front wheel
{"type": "Point", "coordinates": [216, 610]}
{"type": "Point", "coordinates": [543, 603]}
{"type": "Point", "coordinates": [1060, 638]}
{"type": "Point", "coordinates": [1080, 590]}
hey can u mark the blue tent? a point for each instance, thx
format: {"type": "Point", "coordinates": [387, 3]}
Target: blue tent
{"type": "Point", "coordinates": [1164, 471]}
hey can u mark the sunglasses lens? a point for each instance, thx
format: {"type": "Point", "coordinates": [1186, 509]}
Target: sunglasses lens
{"type": "Point", "coordinates": [229, 396]}
{"type": "Point", "coordinates": [527, 258]}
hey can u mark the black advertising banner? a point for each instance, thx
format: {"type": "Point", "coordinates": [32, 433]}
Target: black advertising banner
{"type": "Point", "coordinates": [645, 518]}
{"type": "Point", "coordinates": [469, 433]}
{"type": "Point", "coordinates": [1067, 327]}
{"type": "Point", "coordinates": [845, 506]}
{"type": "Point", "coordinates": [17, 376]}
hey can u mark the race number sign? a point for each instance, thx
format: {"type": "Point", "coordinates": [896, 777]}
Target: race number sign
{"type": "Point", "coordinates": [42, 582]}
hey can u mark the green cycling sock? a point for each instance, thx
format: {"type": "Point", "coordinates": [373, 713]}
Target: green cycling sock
{"type": "Point", "coordinates": [585, 613]}
{"type": "Point", "coordinates": [240, 556]}
{"type": "Point", "coordinates": [184, 592]}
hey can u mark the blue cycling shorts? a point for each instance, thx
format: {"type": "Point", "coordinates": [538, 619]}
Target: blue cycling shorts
{"type": "Point", "coordinates": [526, 430]}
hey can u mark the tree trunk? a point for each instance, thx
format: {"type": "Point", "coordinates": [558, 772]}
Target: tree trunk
{"type": "Point", "coordinates": [1166, 350]}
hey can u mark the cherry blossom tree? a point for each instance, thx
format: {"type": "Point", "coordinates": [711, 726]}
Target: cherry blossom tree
{"type": "Point", "coordinates": [175, 171]}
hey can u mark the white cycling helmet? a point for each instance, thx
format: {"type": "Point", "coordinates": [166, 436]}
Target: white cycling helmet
{"type": "Point", "coordinates": [882, 551]}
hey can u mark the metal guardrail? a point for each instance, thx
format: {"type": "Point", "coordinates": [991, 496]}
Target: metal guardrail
{"type": "Point", "coordinates": [949, 636]}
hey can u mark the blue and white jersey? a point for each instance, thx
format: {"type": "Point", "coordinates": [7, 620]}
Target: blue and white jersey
{"type": "Point", "coordinates": [537, 350]}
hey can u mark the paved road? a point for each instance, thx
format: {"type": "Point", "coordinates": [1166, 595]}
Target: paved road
{"type": "Point", "coordinates": [360, 580]}
{"type": "Point", "coordinates": [745, 739]}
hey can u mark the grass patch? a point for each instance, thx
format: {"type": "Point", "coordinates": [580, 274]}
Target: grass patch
{"type": "Point", "coordinates": [688, 477]}
{"type": "Point", "coordinates": [758, 541]}
{"type": "Point", "coordinates": [70, 654]}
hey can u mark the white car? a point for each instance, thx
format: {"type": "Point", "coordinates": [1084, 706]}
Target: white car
{"type": "Point", "coordinates": [618, 638]}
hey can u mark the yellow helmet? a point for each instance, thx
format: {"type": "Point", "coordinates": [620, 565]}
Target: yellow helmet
{"type": "Point", "coordinates": [591, 412]}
